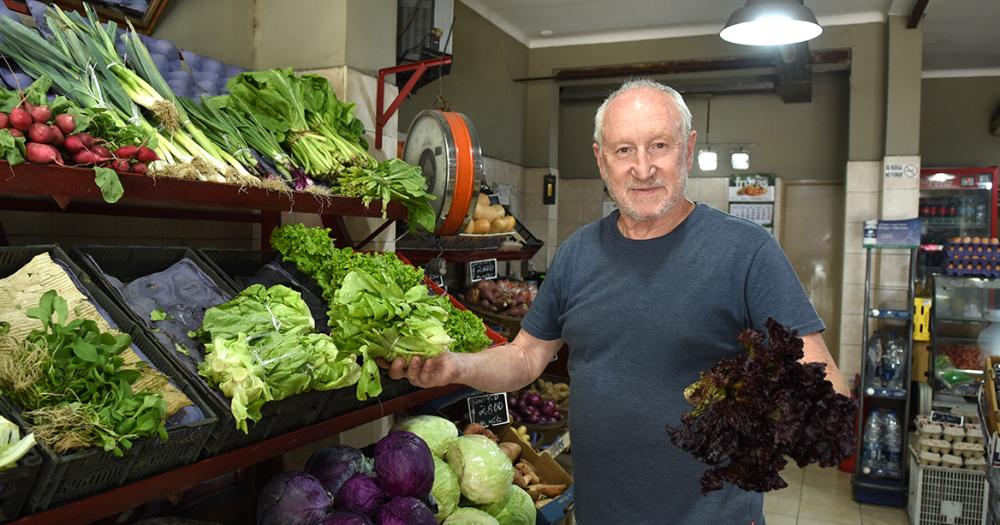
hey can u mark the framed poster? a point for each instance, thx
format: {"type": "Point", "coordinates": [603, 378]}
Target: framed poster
{"type": "Point", "coordinates": [751, 188]}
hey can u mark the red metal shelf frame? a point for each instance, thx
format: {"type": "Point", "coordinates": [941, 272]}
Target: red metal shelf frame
{"type": "Point", "coordinates": [155, 487]}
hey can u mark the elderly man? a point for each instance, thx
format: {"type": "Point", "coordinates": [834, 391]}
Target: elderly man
{"type": "Point", "coordinates": [646, 298]}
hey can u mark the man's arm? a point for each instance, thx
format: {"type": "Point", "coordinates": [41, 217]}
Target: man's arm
{"type": "Point", "coordinates": [815, 351]}
{"type": "Point", "coordinates": [500, 369]}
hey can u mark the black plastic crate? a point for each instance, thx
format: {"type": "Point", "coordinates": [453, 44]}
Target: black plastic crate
{"type": "Point", "coordinates": [16, 483]}
{"type": "Point", "coordinates": [67, 477]}
{"type": "Point", "coordinates": [240, 268]}
{"type": "Point", "coordinates": [127, 263]}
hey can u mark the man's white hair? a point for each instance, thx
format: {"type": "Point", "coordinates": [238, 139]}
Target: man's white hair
{"type": "Point", "coordinates": [679, 105]}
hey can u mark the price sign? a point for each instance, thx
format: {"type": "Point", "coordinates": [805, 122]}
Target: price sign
{"type": "Point", "coordinates": [489, 410]}
{"type": "Point", "coordinates": [944, 417]}
{"type": "Point", "coordinates": [484, 269]}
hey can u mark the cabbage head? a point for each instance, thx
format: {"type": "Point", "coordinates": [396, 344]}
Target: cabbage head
{"type": "Point", "coordinates": [517, 509]}
{"type": "Point", "coordinates": [485, 473]}
{"type": "Point", "coordinates": [438, 432]}
{"type": "Point", "coordinates": [446, 491]}
{"type": "Point", "coordinates": [470, 516]}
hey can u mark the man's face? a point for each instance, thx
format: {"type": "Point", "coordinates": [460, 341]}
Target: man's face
{"type": "Point", "coordinates": [644, 159]}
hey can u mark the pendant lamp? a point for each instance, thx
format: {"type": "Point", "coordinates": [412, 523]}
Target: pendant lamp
{"type": "Point", "coordinates": [771, 23]}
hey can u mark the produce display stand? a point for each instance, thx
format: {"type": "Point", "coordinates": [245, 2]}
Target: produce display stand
{"type": "Point", "coordinates": [152, 488]}
{"type": "Point", "coordinates": [45, 188]}
{"type": "Point", "coordinates": [38, 187]}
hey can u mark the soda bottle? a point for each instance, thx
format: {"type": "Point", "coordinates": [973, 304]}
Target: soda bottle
{"type": "Point", "coordinates": [871, 443]}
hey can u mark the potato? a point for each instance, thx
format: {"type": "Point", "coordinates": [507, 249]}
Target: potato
{"type": "Point", "coordinates": [498, 225]}
{"type": "Point", "coordinates": [481, 226]}
{"type": "Point", "coordinates": [470, 228]}
{"type": "Point", "coordinates": [513, 450]}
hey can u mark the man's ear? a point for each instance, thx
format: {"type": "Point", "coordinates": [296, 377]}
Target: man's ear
{"type": "Point", "coordinates": [691, 142]}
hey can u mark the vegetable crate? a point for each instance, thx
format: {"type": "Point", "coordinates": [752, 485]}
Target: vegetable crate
{"type": "Point", "coordinates": [946, 495]}
{"type": "Point", "coordinates": [16, 483]}
{"type": "Point", "coordinates": [127, 263]}
{"type": "Point", "coordinates": [70, 476]}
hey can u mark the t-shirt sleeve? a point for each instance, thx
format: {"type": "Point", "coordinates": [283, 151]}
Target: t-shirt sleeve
{"type": "Point", "coordinates": [773, 290]}
{"type": "Point", "coordinates": [544, 318]}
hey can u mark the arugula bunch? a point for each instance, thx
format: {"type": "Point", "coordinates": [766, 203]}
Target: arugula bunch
{"type": "Point", "coordinates": [81, 394]}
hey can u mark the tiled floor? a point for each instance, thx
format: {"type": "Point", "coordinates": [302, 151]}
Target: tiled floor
{"type": "Point", "coordinates": [816, 496]}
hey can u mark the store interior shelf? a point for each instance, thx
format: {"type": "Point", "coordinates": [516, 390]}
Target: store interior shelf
{"type": "Point", "coordinates": [465, 256]}
{"type": "Point", "coordinates": [64, 184]}
{"type": "Point", "coordinates": [886, 393]}
{"type": "Point", "coordinates": [878, 313]}
{"type": "Point", "coordinates": [155, 487]}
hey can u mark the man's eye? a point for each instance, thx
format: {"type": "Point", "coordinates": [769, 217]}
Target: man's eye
{"type": "Point", "coordinates": [623, 149]}
{"type": "Point", "coordinates": [660, 145]}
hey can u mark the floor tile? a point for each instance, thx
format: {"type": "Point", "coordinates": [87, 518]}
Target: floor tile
{"type": "Point", "coordinates": [878, 515]}
{"type": "Point", "coordinates": [787, 504]}
{"type": "Point", "coordinates": [820, 521]}
{"type": "Point", "coordinates": [829, 477]}
{"type": "Point", "coordinates": [828, 505]}
{"type": "Point", "coordinates": [779, 519]}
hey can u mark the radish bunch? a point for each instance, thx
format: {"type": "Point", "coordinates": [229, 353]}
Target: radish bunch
{"type": "Point", "coordinates": [50, 140]}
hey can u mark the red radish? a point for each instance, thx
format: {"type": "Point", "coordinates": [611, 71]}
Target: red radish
{"type": "Point", "coordinates": [139, 167]}
{"type": "Point", "coordinates": [146, 155]}
{"type": "Point", "coordinates": [4, 120]}
{"type": "Point", "coordinates": [42, 154]}
{"type": "Point", "coordinates": [84, 156]}
{"type": "Point", "coordinates": [88, 140]}
{"type": "Point", "coordinates": [39, 132]}
{"type": "Point", "coordinates": [66, 123]}
{"type": "Point", "coordinates": [126, 152]}
{"type": "Point", "coordinates": [40, 114]}
{"type": "Point", "coordinates": [15, 132]}
{"type": "Point", "coordinates": [73, 144]}
{"type": "Point", "coordinates": [101, 152]}
{"type": "Point", "coordinates": [57, 136]}
{"type": "Point", "coordinates": [21, 119]}
{"type": "Point", "coordinates": [120, 165]}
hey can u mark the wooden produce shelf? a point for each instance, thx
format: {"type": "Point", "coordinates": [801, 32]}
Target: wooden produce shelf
{"type": "Point", "coordinates": [117, 500]}
{"type": "Point", "coordinates": [465, 256]}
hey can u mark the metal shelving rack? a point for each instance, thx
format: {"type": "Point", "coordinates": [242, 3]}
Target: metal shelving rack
{"type": "Point", "coordinates": [883, 486]}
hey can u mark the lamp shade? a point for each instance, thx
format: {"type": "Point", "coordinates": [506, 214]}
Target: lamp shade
{"type": "Point", "coordinates": [771, 23]}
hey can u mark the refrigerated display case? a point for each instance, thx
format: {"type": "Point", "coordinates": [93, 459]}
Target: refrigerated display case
{"type": "Point", "coordinates": [954, 202]}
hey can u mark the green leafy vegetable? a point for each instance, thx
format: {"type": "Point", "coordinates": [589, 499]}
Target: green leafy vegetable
{"type": "Point", "coordinates": [393, 180]}
{"type": "Point", "coordinates": [107, 181]}
{"type": "Point", "coordinates": [11, 147]}
{"type": "Point", "coordinates": [466, 330]}
{"type": "Point", "coordinates": [157, 315]}
{"type": "Point", "coordinates": [12, 446]}
{"type": "Point", "coordinates": [260, 347]}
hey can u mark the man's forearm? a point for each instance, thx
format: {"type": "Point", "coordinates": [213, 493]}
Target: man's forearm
{"type": "Point", "coordinates": [500, 369]}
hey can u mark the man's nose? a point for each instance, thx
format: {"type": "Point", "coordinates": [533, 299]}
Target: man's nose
{"type": "Point", "coordinates": [644, 168]}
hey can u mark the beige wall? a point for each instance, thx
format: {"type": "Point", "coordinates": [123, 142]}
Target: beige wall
{"type": "Point", "coordinates": [221, 29]}
{"type": "Point", "coordinates": [486, 61]}
{"type": "Point", "coordinates": [955, 121]}
{"type": "Point", "coordinates": [805, 141]}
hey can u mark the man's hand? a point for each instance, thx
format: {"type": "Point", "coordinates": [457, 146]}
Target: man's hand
{"type": "Point", "coordinates": [443, 369]}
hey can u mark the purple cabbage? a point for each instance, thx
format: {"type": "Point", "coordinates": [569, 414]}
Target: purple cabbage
{"type": "Point", "coordinates": [333, 465]}
{"type": "Point", "coordinates": [405, 511]}
{"type": "Point", "coordinates": [404, 465]}
{"type": "Point", "coordinates": [343, 518]}
{"type": "Point", "coordinates": [360, 494]}
{"type": "Point", "coordinates": [292, 497]}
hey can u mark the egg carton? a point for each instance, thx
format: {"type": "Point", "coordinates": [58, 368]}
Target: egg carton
{"type": "Point", "coordinates": [938, 446]}
{"type": "Point", "coordinates": [953, 433]}
{"type": "Point", "coordinates": [974, 434]}
{"type": "Point", "coordinates": [932, 459]}
{"type": "Point", "coordinates": [951, 461]}
{"type": "Point", "coordinates": [968, 450]}
{"type": "Point", "coordinates": [976, 463]}
{"type": "Point", "coordinates": [929, 429]}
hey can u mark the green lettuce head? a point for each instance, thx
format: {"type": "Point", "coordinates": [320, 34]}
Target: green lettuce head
{"type": "Point", "coordinates": [485, 473]}
{"type": "Point", "coordinates": [436, 431]}
{"type": "Point", "coordinates": [470, 516]}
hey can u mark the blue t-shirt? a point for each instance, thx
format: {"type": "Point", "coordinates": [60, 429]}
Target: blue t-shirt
{"type": "Point", "coordinates": [642, 318]}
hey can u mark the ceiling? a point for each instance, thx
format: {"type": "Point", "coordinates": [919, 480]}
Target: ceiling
{"type": "Point", "coordinates": [960, 36]}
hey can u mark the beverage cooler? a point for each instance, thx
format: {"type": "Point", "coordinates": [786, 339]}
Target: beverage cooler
{"type": "Point", "coordinates": [955, 202]}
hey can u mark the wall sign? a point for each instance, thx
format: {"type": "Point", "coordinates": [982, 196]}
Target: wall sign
{"type": "Point", "coordinates": [484, 269]}
{"type": "Point", "coordinates": [750, 188]}
{"type": "Point", "coordinates": [898, 170]}
{"type": "Point", "coordinates": [488, 410]}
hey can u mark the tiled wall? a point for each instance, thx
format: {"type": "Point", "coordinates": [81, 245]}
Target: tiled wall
{"type": "Point", "coordinates": [541, 220]}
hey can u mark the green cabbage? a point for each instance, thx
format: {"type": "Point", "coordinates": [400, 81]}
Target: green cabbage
{"type": "Point", "coordinates": [484, 471]}
{"type": "Point", "coordinates": [470, 516]}
{"type": "Point", "coordinates": [517, 509]}
{"type": "Point", "coordinates": [446, 491]}
{"type": "Point", "coordinates": [436, 431]}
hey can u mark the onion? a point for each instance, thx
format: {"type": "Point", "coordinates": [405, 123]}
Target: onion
{"type": "Point", "coordinates": [20, 119]}
{"type": "Point", "coordinates": [66, 123]}
{"type": "Point", "coordinates": [40, 114]}
{"type": "Point", "coordinates": [39, 132]}
{"type": "Point", "coordinates": [42, 154]}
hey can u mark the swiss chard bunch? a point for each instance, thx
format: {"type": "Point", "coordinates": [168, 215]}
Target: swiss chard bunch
{"type": "Point", "coordinates": [393, 180]}
{"type": "Point", "coordinates": [751, 411]}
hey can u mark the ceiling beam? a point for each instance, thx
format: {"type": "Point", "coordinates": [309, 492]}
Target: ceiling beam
{"type": "Point", "coordinates": [917, 14]}
{"type": "Point", "coordinates": [794, 73]}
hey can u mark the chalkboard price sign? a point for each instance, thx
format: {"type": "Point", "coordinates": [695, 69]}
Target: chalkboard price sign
{"type": "Point", "coordinates": [944, 417]}
{"type": "Point", "coordinates": [489, 410]}
{"type": "Point", "coordinates": [484, 269]}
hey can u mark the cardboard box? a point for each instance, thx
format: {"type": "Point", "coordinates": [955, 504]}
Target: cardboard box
{"type": "Point", "coordinates": [555, 511]}
{"type": "Point", "coordinates": [921, 365]}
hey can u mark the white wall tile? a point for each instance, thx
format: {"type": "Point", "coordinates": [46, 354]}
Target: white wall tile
{"type": "Point", "coordinates": [854, 268]}
{"type": "Point", "coordinates": [849, 360]}
{"type": "Point", "coordinates": [894, 269]}
{"type": "Point", "coordinates": [861, 205]}
{"type": "Point", "coordinates": [850, 329]}
{"type": "Point", "coordinates": [900, 203]}
{"type": "Point", "coordinates": [853, 235]}
{"type": "Point", "coordinates": [715, 190]}
{"type": "Point", "coordinates": [890, 297]}
{"type": "Point", "coordinates": [864, 175]}
{"type": "Point", "coordinates": [853, 299]}
{"type": "Point", "coordinates": [692, 190]}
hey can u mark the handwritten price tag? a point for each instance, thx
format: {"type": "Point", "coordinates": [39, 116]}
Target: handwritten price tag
{"type": "Point", "coordinates": [489, 410]}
